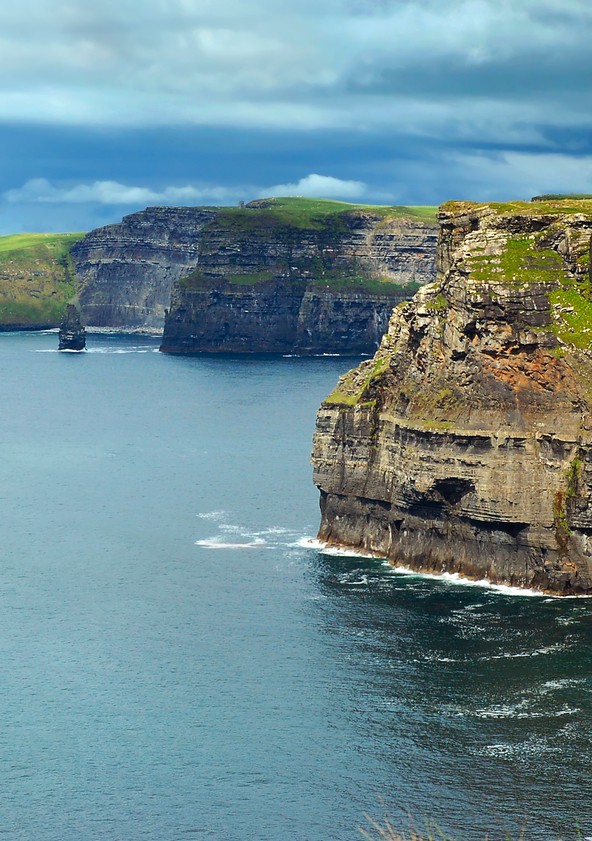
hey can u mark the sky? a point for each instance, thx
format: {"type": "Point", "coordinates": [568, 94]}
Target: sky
{"type": "Point", "coordinates": [110, 106]}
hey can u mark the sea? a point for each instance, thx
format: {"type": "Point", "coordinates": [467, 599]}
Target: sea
{"type": "Point", "coordinates": [179, 659]}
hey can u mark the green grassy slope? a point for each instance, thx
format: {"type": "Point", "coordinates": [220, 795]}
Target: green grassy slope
{"type": "Point", "coordinates": [313, 213]}
{"type": "Point", "coordinates": [36, 278]}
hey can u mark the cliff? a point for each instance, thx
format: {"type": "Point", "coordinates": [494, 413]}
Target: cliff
{"type": "Point", "coordinates": [466, 443]}
{"type": "Point", "coordinates": [125, 271]}
{"type": "Point", "coordinates": [36, 280]}
{"type": "Point", "coordinates": [299, 275]}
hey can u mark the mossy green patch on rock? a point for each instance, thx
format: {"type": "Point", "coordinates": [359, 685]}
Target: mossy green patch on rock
{"type": "Point", "coordinates": [521, 262]}
{"type": "Point", "coordinates": [252, 279]}
{"type": "Point", "coordinates": [438, 304]}
{"type": "Point", "coordinates": [572, 317]}
{"type": "Point", "coordinates": [352, 388]}
{"type": "Point", "coordinates": [342, 280]}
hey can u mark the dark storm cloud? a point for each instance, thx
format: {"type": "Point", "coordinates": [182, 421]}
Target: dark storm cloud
{"type": "Point", "coordinates": [108, 105]}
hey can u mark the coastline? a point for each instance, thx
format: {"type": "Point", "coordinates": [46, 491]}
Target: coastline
{"type": "Point", "coordinates": [452, 578]}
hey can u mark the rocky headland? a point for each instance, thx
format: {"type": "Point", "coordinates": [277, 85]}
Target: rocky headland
{"type": "Point", "coordinates": [300, 276]}
{"type": "Point", "coordinates": [465, 444]}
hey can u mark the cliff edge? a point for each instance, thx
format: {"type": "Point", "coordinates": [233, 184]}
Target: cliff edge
{"type": "Point", "coordinates": [300, 276]}
{"type": "Point", "coordinates": [277, 274]}
{"type": "Point", "coordinates": [125, 270]}
{"type": "Point", "coordinates": [465, 444]}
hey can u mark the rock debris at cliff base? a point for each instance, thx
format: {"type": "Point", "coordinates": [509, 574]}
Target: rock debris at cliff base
{"type": "Point", "coordinates": [465, 445]}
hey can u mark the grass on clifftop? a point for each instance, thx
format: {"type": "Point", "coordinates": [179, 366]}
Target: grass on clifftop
{"type": "Point", "coordinates": [314, 213]}
{"type": "Point", "coordinates": [36, 278]}
{"type": "Point", "coordinates": [15, 246]}
{"type": "Point", "coordinates": [553, 206]}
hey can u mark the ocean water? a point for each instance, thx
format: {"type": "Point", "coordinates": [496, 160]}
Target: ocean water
{"type": "Point", "coordinates": [177, 662]}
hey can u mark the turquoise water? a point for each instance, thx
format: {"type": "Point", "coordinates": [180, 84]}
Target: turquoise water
{"type": "Point", "coordinates": [175, 665]}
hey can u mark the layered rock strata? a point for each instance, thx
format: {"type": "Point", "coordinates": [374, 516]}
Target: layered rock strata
{"type": "Point", "coordinates": [465, 445]}
{"type": "Point", "coordinates": [283, 276]}
{"type": "Point", "coordinates": [276, 275]}
{"type": "Point", "coordinates": [125, 271]}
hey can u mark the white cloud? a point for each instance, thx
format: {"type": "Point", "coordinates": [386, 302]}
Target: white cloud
{"type": "Point", "coordinates": [320, 186]}
{"type": "Point", "coordinates": [524, 175]}
{"type": "Point", "coordinates": [42, 191]}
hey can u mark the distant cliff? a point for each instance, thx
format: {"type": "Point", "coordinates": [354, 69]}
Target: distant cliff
{"type": "Point", "coordinates": [125, 271]}
{"type": "Point", "coordinates": [36, 280]}
{"type": "Point", "coordinates": [466, 443]}
{"type": "Point", "coordinates": [299, 275]}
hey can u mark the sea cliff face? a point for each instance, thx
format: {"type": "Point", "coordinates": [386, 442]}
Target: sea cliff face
{"type": "Point", "coordinates": [466, 443]}
{"type": "Point", "coordinates": [296, 275]}
{"type": "Point", "coordinates": [125, 271]}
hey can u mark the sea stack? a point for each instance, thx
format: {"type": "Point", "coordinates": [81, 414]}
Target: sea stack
{"type": "Point", "coordinates": [72, 332]}
{"type": "Point", "coordinates": [291, 275]}
{"type": "Point", "coordinates": [465, 444]}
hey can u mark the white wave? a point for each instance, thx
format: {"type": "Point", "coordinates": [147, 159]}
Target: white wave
{"type": "Point", "coordinates": [113, 350]}
{"type": "Point", "coordinates": [274, 530]}
{"type": "Point", "coordinates": [504, 711]}
{"type": "Point", "coordinates": [536, 652]}
{"type": "Point", "coordinates": [352, 582]}
{"type": "Point", "coordinates": [435, 658]}
{"type": "Point", "coordinates": [505, 589]}
{"type": "Point", "coordinates": [456, 579]}
{"type": "Point", "coordinates": [561, 683]}
{"type": "Point", "coordinates": [518, 711]}
{"type": "Point", "coordinates": [453, 578]}
{"type": "Point", "coordinates": [211, 515]}
{"type": "Point", "coordinates": [309, 543]}
{"type": "Point", "coordinates": [336, 551]}
{"type": "Point", "coordinates": [504, 750]}
{"type": "Point", "coordinates": [218, 543]}
{"type": "Point", "coordinates": [55, 350]}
